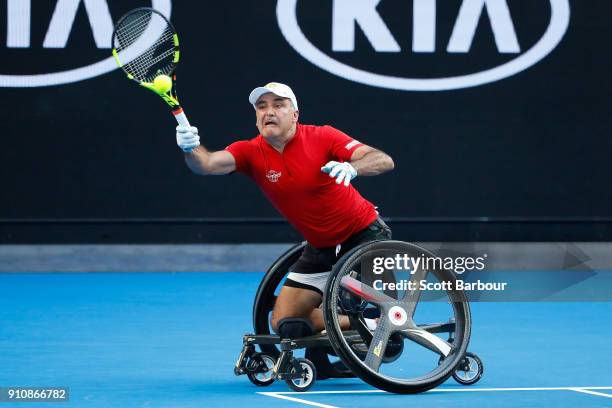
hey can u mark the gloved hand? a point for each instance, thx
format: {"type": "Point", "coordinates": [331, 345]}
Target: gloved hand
{"type": "Point", "coordinates": [187, 138]}
{"type": "Point", "coordinates": [343, 172]}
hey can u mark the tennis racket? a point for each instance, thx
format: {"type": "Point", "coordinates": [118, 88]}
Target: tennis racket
{"type": "Point", "coordinates": [146, 47]}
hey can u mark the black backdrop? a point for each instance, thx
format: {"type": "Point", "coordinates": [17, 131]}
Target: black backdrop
{"type": "Point", "coordinates": [100, 153]}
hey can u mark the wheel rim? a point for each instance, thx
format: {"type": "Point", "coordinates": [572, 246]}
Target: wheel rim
{"type": "Point", "coordinates": [471, 373]}
{"type": "Point", "coordinates": [305, 381]}
{"type": "Point", "coordinates": [266, 376]}
{"type": "Point", "coordinates": [399, 317]}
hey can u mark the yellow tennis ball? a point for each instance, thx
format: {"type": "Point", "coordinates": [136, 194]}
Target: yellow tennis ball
{"type": "Point", "coordinates": [163, 83]}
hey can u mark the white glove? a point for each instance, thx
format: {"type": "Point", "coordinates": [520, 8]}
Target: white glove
{"type": "Point", "coordinates": [187, 138]}
{"type": "Point", "coordinates": [343, 172]}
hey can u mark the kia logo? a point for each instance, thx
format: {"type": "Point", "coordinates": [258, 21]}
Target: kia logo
{"type": "Point", "coordinates": [57, 34]}
{"type": "Point", "coordinates": [348, 16]}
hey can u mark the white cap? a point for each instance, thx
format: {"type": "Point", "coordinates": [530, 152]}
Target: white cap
{"type": "Point", "coordinates": [276, 88]}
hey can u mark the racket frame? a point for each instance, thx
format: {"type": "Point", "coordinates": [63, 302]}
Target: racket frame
{"type": "Point", "coordinates": [169, 97]}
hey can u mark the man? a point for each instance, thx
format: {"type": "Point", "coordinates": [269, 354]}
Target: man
{"type": "Point", "coordinates": [305, 171]}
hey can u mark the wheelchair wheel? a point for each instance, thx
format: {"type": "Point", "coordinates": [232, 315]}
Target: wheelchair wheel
{"type": "Point", "coordinates": [470, 370]}
{"type": "Point", "coordinates": [262, 365]}
{"type": "Point", "coordinates": [309, 378]}
{"type": "Point", "coordinates": [402, 311]}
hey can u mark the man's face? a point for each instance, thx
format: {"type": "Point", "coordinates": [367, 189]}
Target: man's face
{"type": "Point", "coordinates": [275, 115]}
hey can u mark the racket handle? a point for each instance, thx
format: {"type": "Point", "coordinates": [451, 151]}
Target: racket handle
{"type": "Point", "coordinates": [180, 117]}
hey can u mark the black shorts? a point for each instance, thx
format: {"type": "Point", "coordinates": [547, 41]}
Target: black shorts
{"type": "Point", "coordinates": [314, 265]}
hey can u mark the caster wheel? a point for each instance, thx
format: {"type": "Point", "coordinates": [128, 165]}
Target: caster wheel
{"type": "Point", "coordinates": [470, 370]}
{"type": "Point", "coordinates": [303, 384]}
{"type": "Point", "coordinates": [260, 369]}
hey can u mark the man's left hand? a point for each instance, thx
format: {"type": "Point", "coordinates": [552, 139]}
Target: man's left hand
{"type": "Point", "coordinates": [344, 172]}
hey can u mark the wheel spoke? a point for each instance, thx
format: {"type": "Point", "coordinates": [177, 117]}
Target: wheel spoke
{"type": "Point", "coordinates": [428, 340]}
{"type": "Point", "coordinates": [411, 297]}
{"type": "Point", "coordinates": [364, 291]}
{"type": "Point", "coordinates": [377, 348]}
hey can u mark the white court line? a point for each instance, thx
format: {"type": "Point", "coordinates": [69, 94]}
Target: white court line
{"type": "Point", "coordinates": [284, 394]}
{"type": "Point", "coordinates": [277, 395]}
{"type": "Point", "coordinates": [449, 390]}
{"type": "Point", "coordinates": [588, 391]}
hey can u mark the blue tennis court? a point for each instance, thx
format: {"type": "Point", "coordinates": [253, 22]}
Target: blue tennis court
{"type": "Point", "coordinates": [171, 339]}
{"type": "Point", "coordinates": [322, 148]}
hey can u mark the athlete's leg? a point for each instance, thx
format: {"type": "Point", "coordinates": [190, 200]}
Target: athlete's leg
{"type": "Point", "coordinates": [302, 303]}
{"type": "Point", "coordinates": [302, 292]}
{"type": "Point", "coordinates": [316, 317]}
{"type": "Point", "coordinates": [295, 302]}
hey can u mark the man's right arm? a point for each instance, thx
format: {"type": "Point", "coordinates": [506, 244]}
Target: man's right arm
{"type": "Point", "coordinates": [203, 162]}
{"type": "Point", "coordinates": [200, 160]}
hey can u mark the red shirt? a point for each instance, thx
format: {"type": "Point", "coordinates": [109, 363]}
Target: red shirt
{"type": "Point", "coordinates": [324, 212]}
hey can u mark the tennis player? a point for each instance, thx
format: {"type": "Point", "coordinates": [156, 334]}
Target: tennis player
{"type": "Point", "coordinates": [305, 171]}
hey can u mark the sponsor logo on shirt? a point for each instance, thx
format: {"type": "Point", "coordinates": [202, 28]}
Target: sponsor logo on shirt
{"type": "Point", "coordinates": [351, 144]}
{"type": "Point", "coordinates": [273, 175]}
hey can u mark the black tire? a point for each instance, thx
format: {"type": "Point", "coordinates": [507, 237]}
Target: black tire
{"type": "Point", "coordinates": [262, 379]}
{"type": "Point", "coordinates": [472, 375]}
{"type": "Point", "coordinates": [303, 384]}
{"type": "Point", "coordinates": [457, 300]}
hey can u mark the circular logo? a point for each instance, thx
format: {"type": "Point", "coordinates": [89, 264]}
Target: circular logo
{"type": "Point", "coordinates": [286, 12]}
{"type": "Point", "coordinates": [76, 74]}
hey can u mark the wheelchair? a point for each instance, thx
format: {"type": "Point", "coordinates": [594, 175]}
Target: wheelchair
{"type": "Point", "coordinates": [399, 355]}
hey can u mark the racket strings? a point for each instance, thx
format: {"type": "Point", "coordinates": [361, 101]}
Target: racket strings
{"type": "Point", "coordinates": [133, 25]}
{"type": "Point", "coordinates": [148, 65]}
{"type": "Point", "coordinates": [126, 39]}
{"type": "Point", "coordinates": [130, 30]}
{"type": "Point", "coordinates": [148, 53]}
{"type": "Point", "coordinates": [146, 71]}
